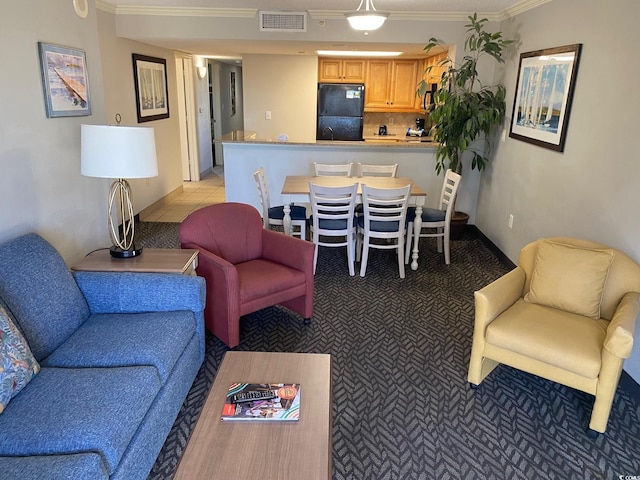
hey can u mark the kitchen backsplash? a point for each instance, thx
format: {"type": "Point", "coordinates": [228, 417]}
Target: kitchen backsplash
{"type": "Point", "coordinates": [397, 123]}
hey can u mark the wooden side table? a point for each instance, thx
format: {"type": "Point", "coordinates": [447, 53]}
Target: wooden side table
{"type": "Point", "coordinates": [152, 260]}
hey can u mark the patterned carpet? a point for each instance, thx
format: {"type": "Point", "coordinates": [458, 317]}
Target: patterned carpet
{"type": "Point", "coordinates": [402, 408]}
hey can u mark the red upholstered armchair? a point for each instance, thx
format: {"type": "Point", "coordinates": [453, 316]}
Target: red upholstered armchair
{"type": "Point", "coordinates": [246, 267]}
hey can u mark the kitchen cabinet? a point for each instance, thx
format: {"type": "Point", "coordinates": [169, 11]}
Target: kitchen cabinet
{"type": "Point", "coordinates": [433, 76]}
{"type": "Point", "coordinates": [336, 70]}
{"type": "Point", "coordinates": [391, 85]}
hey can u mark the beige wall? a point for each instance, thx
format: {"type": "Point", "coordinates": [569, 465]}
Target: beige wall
{"type": "Point", "coordinates": [590, 190]}
{"type": "Point", "coordinates": [286, 86]}
{"type": "Point", "coordinates": [41, 189]}
{"type": "Point", "coordinates": [119, 92]}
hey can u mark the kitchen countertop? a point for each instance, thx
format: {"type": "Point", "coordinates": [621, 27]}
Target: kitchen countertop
{"type": "Point", "coordinates": [241, 136]}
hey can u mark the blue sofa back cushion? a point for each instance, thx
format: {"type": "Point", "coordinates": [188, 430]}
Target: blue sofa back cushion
{"type": "Point", "coordinates": [111, 340]}
{"type": "Point", "coordinates": [100, 413]}
{"type": "Point", "coordinates": [40, 292]}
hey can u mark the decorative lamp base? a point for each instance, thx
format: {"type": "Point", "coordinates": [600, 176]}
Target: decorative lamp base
{"type": "Point", "coordinates": [117, 252]}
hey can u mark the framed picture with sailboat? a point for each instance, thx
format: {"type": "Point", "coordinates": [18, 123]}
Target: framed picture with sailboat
{"type": "Point", "coordinates": [64, 80]}
{"type": "Point", "coordinates": [544, 91]}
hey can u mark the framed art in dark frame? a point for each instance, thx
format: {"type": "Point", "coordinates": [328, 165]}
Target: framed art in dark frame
{"type": "Point", "coordinates": [152, 94]}
{"type": "Point", "coordinates": [544, 91]}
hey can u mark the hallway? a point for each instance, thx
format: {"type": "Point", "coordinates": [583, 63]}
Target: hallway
{"type": "Point", "coordinates": [208, 191]}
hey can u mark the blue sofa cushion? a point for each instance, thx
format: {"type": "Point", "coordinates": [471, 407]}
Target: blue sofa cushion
{"type": "Point", "coordinates": [100, 411]}
{"type": "Point", "coordinates": [47, 467]}
{"type": "Point", "coordinates": [17, 365]}
{"type": "Point", "coordinates": [112, 340]}
{"type": "Point", "coordinates": [40, 292]}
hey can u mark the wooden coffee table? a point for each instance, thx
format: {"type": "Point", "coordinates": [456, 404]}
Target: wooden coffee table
{"type": "Point", "coordinates": [264, 449]}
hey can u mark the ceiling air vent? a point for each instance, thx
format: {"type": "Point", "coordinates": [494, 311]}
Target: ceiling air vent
{"type": "Point", "coordinates": [283, 21]}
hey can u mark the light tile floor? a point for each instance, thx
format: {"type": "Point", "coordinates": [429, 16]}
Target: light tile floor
{"type": "Point", "coordinates": [208, 191]}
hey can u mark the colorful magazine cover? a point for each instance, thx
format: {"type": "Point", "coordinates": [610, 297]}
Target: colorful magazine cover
{"type": "Point", "coordinates": [262, 401]}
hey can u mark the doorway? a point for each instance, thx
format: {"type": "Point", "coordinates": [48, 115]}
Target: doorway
{"type": "Point", "coordinates": [186, 112]}
{"type": "Point", "coordinates": [215, 111]}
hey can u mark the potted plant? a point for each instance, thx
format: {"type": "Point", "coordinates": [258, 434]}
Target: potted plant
{"type": "Point", "coordinates": [464, 112]}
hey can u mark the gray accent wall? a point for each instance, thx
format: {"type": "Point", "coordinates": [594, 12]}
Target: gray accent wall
{"type": "Point", "coordinates": [591, 190]}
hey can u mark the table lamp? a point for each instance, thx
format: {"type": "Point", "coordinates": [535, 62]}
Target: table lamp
{"type": "Point", "coordinates": [119, 152]}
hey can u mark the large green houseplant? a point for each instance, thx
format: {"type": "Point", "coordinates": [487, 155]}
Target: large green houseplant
{"type": "Point", "coordinates": [464, 112]}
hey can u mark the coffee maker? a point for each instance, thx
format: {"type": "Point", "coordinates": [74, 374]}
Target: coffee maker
{"type": "Point", "coordinates": [419, 130]}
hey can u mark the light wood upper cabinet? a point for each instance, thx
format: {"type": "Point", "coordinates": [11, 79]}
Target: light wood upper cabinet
{"type": "Point", "coordinates": [391, 85]}
{"type": "Point", "coordinates": [336, 70]}
{"type": "Point", "coordinates": [432, 76]}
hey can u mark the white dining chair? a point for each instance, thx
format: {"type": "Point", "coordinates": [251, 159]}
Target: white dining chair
{"type": "Point", "coordinates": [366, 170]}
{"type": "Point", "coordinates": [438, 219]}
{"type": "Point", "coordinates": [385, 211]}
{"type": "Point", "coordinates": [332, 215]}
{"type": "Point", "coordinates": [274, 216]}
{"type": "Point", "coordinates": [331, 169]}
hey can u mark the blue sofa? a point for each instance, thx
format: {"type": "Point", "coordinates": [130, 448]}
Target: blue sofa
{"type": "Point", "coordinates": [118, 353]}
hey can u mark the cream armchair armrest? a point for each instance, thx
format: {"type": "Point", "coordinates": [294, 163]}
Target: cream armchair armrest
{"type": "Point", "coordinates": [619, 339]}
{"type": "Point", "coordinates": [491, 301]}
{"type": "Point", "coordinates": [496, 297]}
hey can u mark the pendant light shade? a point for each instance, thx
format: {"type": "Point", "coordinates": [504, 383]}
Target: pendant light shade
{"type": "Point", "coordinates": [367, 19]}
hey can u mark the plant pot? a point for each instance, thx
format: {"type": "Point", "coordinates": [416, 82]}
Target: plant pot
{"type": "Point", "coordinates": [459, 221]}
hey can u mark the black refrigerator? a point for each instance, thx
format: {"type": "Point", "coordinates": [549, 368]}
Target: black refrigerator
{"type": "Point", "coordinates": [340, 111]}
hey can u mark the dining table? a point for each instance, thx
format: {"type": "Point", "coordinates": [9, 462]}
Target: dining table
{"type": "Point", "coordinates": [296, 189]}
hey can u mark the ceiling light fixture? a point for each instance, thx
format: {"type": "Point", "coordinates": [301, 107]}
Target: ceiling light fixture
{"type": "Point", "coordinates": [357, 53]}
{"type": "Point", "coordinates": [367, 19]}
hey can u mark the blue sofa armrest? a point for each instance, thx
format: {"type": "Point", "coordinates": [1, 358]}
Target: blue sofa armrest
{"type": "Point", "coordinates": [115, 292]}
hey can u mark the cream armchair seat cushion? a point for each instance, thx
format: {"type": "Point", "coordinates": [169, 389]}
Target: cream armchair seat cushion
{"type": "Point", "coordinates": [565, 340]}
{"type": "Point", "coordinates": [569, 277]}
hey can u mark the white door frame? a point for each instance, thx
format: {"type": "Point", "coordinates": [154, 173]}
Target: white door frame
{"type": "Point", "coordinates": [187, 120]}
{"type": "Point", "coordinates": [217, 111]}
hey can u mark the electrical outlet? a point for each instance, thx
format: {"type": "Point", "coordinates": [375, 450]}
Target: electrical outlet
{"type": "Point", "coordinates": [510, 224]}
{"type": "Point", "coordinates": [390, 120]}
{"type": "Point", "coordinates": [504, 135]}
{"type": "Point", "coordinates": [267, 115]}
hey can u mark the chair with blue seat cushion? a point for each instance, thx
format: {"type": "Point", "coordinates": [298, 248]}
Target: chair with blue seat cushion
{"type": "Point", "coordinates": [438, 219]}
{"type": "Point", "coordinates": [333, 216]}
{"type": "Point", "coordinates": [274, 215]}
{"type": "Point", "coordinates": [384, 216]}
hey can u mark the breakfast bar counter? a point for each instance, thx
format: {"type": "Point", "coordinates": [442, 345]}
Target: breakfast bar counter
{"type": "Point", "coordinates": [245, 152]}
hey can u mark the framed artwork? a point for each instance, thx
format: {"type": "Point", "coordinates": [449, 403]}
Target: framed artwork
{"type": "Point", "coordinates": [232, 92]}
{"type": "Point", "coordinates": [64, 80]}
{"type": "Point", "coordinates": [152, 94]}
{"type": "Point", "coordinates": [544, 91]}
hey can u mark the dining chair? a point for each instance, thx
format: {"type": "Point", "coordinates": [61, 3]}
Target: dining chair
{"type": "Point", "coordinates": [385, 211]}
{"type": "Point", "coordinates": [438, 219]}
{"type": "Point", "coordinates": [333, 216]}
{"type": "Point", "coordinates": [331, 169]}
{"type": "Point", "coordinates": [275, 215]}
{"type": "Point", "coordinates": [365, 170]}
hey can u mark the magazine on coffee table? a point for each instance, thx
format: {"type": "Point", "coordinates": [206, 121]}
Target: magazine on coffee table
{"type": "Point", "coordinates": [262, 402]}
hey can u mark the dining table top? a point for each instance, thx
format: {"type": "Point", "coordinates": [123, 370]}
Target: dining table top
{"type": "Point", "coordinates": [299, 184]}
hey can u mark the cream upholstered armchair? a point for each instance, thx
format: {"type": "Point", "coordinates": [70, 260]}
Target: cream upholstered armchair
{"type": "Point", "coordinates": [566, 313]}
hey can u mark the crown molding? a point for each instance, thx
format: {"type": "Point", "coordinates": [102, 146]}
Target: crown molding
{"type": "Point", "coordinates": [517, 9]}
{"type": "Point", "coordinates": [177, 11]}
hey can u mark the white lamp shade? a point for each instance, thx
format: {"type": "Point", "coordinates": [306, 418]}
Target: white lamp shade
{"type": "Point", "coordinates": [113, 151]}
{"type": "Point", "coordinates": [363, 20]}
